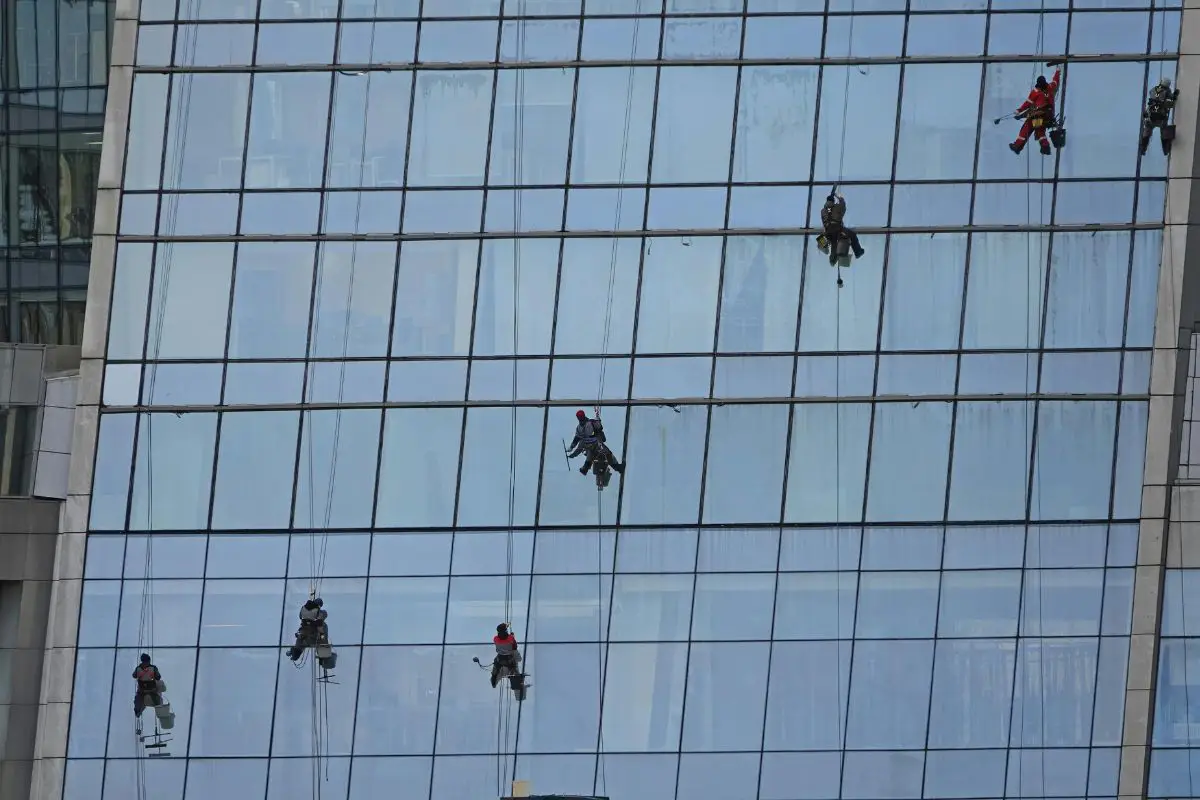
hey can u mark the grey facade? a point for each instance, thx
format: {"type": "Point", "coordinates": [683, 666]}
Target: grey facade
{"type": "Point", "coordinates": [1102, 585]}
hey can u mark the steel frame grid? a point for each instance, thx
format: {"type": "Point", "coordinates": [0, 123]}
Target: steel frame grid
{"type": "Point", "coordinates": [717, 323]}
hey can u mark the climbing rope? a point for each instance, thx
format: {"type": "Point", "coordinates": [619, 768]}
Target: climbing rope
{"type": "Point", "coordinates": [504, 723]}
{"type": "Point", "coordinates": [170, 216]}
{"type": "Point", "coordinates": [1033, 463]}
{"type": "Point", "coordinates": [318, 537]}
{"type": "Point", "coordinates": [600, 779]}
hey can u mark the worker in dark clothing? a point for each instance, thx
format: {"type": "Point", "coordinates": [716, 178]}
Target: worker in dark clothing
{"type": "Point", "coordinates": [314, 632]}
{"type": "Point", "coordinates": [589, 437]}
{"type": "Point", "coordinates": [833, 215]}
{"type": "Point", "coordinates": [1159, 106]}
{"type": "Point", "coordinates": [1038, 112]}
{"type": "Point", "coordinates": [149, 681]}
{"type": "Point", "coordinates": [507, 655]}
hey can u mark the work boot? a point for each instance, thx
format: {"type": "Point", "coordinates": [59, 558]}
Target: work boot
{"type": "Point", "coordinates": [1017, 147]}
{"type": "Point", "coordinates": [620, 468]}
{"type": "Point", "coordinates": [1045, 148]}
{"type": "Point", "coordinates": [583, 470]}
{"type": "Point", "coordinates": [858, 252]}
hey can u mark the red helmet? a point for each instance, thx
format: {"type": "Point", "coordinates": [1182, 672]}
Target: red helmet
{"type": "Point", "coordinates": [581, 414]}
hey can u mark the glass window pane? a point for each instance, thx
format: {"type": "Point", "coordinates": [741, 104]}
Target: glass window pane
{"type": "Point", "coordinates": [922, 111]}
{"type": "Point", "coordinates": [176, 618]}
{"type": "Point", "coordinates": [336, 480]}
{"type": "Point", "coordinates": [823, 328]}
{"type": "Point", "coordinates": [1056, 681]}
{"type": "Point", "coordinates": [979, 603]}
{"type": "Point", "coordinates": [650, 608]}
{"type": "Point", "coordinates": [450, 126]}
{"type": "Point", "coordinates": [681, 322]}
{"type": "Point", "coordinates": [1062, 602]}
{"type": "Point", "coordinates": [286, 147]}
{"type": "Point", "coordinates": [532, 308]}
{"type": "Point", "coordinates": [477, 604]}
{"type": "Point", "coordinates": [271, 300]}
{"type": "Point", "coordinates": [241, 613]}
{"type": "Point", "coordinates": [656, 672]}
{"type": "Point", "coordinates": [294, 721]}
{"type": "Point", "coordinates": [354, 299]}
{"type": "Point", "coordinates": [535, 140]}
{"type": "Point", "coordinates": [760, 288]}
{"type": "Point", "coordinates": [776, 109]}
{"type": "Point", "coordinates": [806, 707]}
{"type": "Point", "coordinates": [991, 461]}
{"type": "Point", "coordinates": [423, 623]}
{"type": "Point", "coordinates": [733, 606]}
{"type": "Point", "coordinates": [255, 470]}
{"type": "Point", "coordinates": [973, 683]}
{"type": "Point", "coordinates": [173, 475]}
{"type": "Point", "coordinates": [825, 435]}
{"type": "Point", "coordinates": [420, 453]}
{"type": "Point", "coordinates": [435, 297]}
{"type": "Point", "coordinates": [110, 482]}
{"type": "Point", "coordinates": [816, 605]}
{"type": "Point", "coordinates": [1074, 460]}
{"type": "Point", "coordinates": [190, 303]}
{"type": "Point", "coordinates": [209, 154]}
{"type": "Point", "coordinates": [741, 436]}
{"type": "Point", "coordinates": [147, 118]}
{"type": "Point", "coordinates": [1088, 273]}
{"type": "Point", "coordinates": [569, 498]}
{"type": "Point", "coordinates": [228, 720]}
{"type": "Point", "coordinates": [1004, 310]}
{"type": "Point", "coordinates": [923, 299]}
{"type": "Point", "coordinates": [90, 703]}
{"type": "Point", "coordinates": [908, 461]}
{"type": "Point", "coordinates": [667, 444]}
{"type": "Point", "coordinates": [850, 123]}
{"type": "Point", "coordinates": [566, 608]}
{"type": "Point", "coordinates": [562, 670]}
{"type": "Point", "coordinates": [889, 701]}
{"type": "Point", "coordinates": [897, 605]}
{"type": "Point", "coordinates": [614, 111]}
{"type": "Point", "coordinates": [398, 722]}
{"type": "Point", "coordinates": [694, 124]}
{"type": "Point", "coordinates": [589, 267]}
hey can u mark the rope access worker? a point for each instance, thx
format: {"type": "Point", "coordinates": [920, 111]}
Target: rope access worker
{"type": "Point", "coordinates": [507, 654]}
{"type": "Point", "coordinates": [833, 215]}
{"type": "Point", "coordinates": [1159, 106]}
{"type": "Point", "coordinates": [1038, 112]}
{"type": "Point", "coordinates": [314, 633]}
{"type": "Point", "coordinates": [149, 686]}
{"type": "Point", "coordinates": [589, 435]}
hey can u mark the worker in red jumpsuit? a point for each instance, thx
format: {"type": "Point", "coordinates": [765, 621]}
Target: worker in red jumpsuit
{"type": "Point", "coordinates": [507, 655]}
{"type": "Point", "coordinates": [1038, 112]}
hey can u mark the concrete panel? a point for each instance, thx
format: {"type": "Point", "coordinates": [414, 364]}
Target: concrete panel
{"type": "Point", "coordinates": [1158, 468]}
{"type": "Point", "coordinates": [124, 42]}
{"type": "Point", "coordinates": [128, 9]}
{"type": "Point", "coordinates": [1137, 715]}
{"type": "Point", "coordinates": [95, 323]}
{"type": "Point", "coordinates": [58, 675]}
{"type": "Point", "coordinates": [53, 724]}
{"type": "Point", "coordinates": [1154, 501]}
{"type": "Point", "coordinates": [48, 774]}
{"type": "Point", "coordinates": [26, 677]}
{"type": "Point", "coordinates": [108, 205]}
{"type": "Point", "coordinates": [83, 443]}
{"type": "Point", "coordinates": [116, 117]}
{"type": "Point", "coordinates": [69, 556]}
{"type": "Point", "coordinates": [65, 598]}
{"type": "Point", "coordinates": [22, 728]}
{"type": "Point", "coordinates": [14, 778]}
{"type": "Point", "coordinates": [35, 607]}
{"type": "Point", "coordinates": [13, 547]}
{"type": "Point", "coordinates": [1143, 652]}
{"type": "Point", "coordinates": [1189, 40]}
{"type": "Point", "coordinates": [1146, 590]}
{"type": "Point", "coordinates": [1133, 771]}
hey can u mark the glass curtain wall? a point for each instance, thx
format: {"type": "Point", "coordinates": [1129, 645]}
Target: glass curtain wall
{"type": "Point", "coordinates": [879, 539]}
{"type": "Point", "coordinates": [55, 67]}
